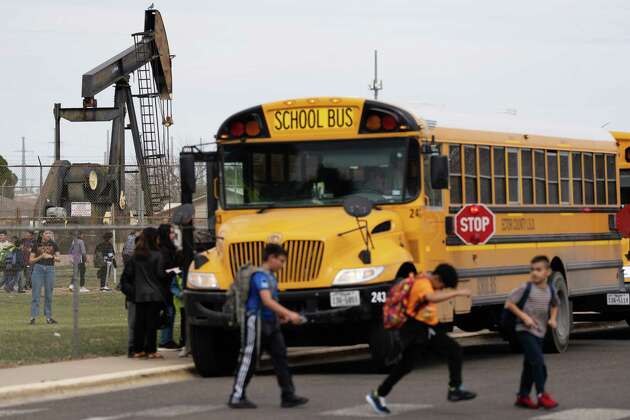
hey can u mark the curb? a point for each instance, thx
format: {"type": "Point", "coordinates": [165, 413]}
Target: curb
{"type": "Point", "coordinates": [24, 391]}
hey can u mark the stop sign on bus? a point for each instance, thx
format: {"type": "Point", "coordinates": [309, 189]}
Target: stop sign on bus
{"type": "Point", "coordinates": [474, 224]}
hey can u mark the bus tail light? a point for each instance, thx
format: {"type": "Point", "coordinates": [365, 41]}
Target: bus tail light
{"type": "Point", "coordinates": [379, 118]}
{"type": "Point", "coordinates": [252, 128]}
{"type": "Point", "coordinates": [237, 128]}
{"type": "Point", "coordinates": [246, 124]}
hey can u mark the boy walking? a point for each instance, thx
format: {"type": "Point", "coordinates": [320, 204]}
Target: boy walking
{"type": "Point", "coordinates": [421, 329]}
{"type": "Point", "coordinates": [532, 317]}
{"type": "Point", "coordinates": [263, 311]}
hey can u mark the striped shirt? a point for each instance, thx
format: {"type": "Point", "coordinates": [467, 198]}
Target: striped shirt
{"type": "Point", "coordinates": [537, 307]}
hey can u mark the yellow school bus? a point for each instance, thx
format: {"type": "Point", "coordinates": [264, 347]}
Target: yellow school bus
{"type": "Point", "coordinates": [623, 142]}
{"type": "Point", "coordinates": [283, 171]}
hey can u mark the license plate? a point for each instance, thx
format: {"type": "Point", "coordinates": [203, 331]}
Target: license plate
{"type": "Point", "coordinates": [618, 299]}
{"type": "Point", "coordinates": [349, 298]}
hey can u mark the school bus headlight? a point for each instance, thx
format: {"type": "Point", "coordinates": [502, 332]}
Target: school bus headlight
{"type": "Point", "coordinates": [203, 280]}
{"type": "Point", "coordinates": [357, 275]}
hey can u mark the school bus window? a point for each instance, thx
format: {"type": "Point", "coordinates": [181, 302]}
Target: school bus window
{"type": "Point", "coordinates": [295, 168]}
{"type": "Point", "coordinates": [485, 174]}
{"type": "Point", "coordinates": [526, 175]}
{"type": "Point", "coordinates": [233, 181]}
{"type": "Point", "coordinates": [277, 167]}
{"type": "Point", "coordinates": [576, 172]}
{"type": "Point", "coordinates": [611, 172]}
{"type": "Point", "coordinates": [552, 177]}
{"type": "Point", "coordinates": [332, 170]}
{"type": "Point", "coordinates": [455, 169]}
{"type": "Point", "coordinates": [564, 178]}
{"type": "Point", "coordinates": [434, 197]}
{"type": "Point", "coordinates": [470, 173]}
{"type": "Point", "coordinates": [412, 178]}
{"type": "Point", "coordinates": [513, 175]}
{"type": "Point", "coordinates": [539, 176]}
{"type": "Point", "coordinates": [624, 185]}
{"type": "Point", "coordinates": [589, 185]}
{"type": "Point", "coordinates": [600, 179]}
{"type": "Point", "coordinates": [259, 163]}
{"type": "Point", "coordinates": [499, 175]}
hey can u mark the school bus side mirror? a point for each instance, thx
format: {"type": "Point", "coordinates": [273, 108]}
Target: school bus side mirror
{"type": "Point", "coordinates": [439, 172]}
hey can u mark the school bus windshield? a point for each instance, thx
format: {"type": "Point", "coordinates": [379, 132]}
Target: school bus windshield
{"type": "Point", "coordinates": [303, 174]}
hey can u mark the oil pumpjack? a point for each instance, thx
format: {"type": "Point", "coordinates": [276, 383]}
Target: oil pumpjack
{"type": "Point", "coordinates": [103, 186]}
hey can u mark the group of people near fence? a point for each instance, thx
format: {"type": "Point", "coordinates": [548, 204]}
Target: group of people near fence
{"type": "Point", "coordinates": [152, 283]}
{"type": "Point", "coordinates": [15, 262]}
{"type": "Point", "coordinates": [411, 311]}
{"type": "Point", "coordinates": [29, 263]}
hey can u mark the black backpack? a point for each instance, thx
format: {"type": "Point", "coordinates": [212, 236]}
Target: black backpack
{"type": "Point", "coordinates": [507, 323]}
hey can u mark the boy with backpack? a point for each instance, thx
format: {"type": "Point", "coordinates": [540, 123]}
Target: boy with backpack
{"type": "Point", "coordinates": [262, 311]}
{"type": "Point", "coordinates": [418, 325]}
{"type": "Point", "coordinates": [535, 305]}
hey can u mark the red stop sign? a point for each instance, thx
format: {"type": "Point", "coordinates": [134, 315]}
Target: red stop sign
{"type": "Point", "coordinates": [474, 224]}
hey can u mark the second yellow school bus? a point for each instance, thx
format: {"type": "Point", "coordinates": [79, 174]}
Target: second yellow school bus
{"type": "Point", "coordinates": [285, 169]}
{"type": "Point", "coordinates": [623, 143]}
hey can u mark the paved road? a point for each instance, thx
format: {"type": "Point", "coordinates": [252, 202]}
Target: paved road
{"type": "Point", "coordinates": [590, 381]}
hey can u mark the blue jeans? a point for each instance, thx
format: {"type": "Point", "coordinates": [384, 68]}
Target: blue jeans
{"type": "Point", "coordinates": [166, 334]}
{"type": "Point", "coordinates": [534, 369]}
{"type": "Point", "coordinates": [43, 275]}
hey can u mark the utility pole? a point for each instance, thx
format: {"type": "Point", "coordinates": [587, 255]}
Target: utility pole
{"type": "Point", "coordinates": [376, 85]}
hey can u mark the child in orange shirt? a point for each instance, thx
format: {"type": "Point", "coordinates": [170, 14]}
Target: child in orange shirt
{"type": "Point", "coordinates": [421, 328]}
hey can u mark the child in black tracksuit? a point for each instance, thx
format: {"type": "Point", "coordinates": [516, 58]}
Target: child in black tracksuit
{"type": "Point", "coordinates": [538, 310]}
{"type": "Point", "coordinates": [263, 309]}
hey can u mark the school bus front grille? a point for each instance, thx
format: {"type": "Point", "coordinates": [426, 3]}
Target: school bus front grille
{"type": "Point", "coordinates": [303, 264]}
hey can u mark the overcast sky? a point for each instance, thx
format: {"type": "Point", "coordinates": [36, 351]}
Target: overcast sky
{"type": "Point", "coordinates": [555, 60]}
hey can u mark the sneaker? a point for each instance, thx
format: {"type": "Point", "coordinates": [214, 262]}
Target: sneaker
{"type": "Point", "coordinates": [183, 352]}
{"type": "Point", "coordinates": [105, 289]}
{"type": "Point", "coordinates": [460, 394]}
{"type": "Point", "coordinates": [32, 321]}
{"type": "Point", "coordinates": [171, 345]}
{"type": "Point", "coordinates": [545, 401]}
{"type": "Point", "coordinates": [525, 402]}
{"type": "Point", "coordinates": [293, 401]}
{"type": "Point", "coordinates": [378, 403]}
{"type": "Point", "coordinates": [242, 403]}
{"type": "Point", "coordinates": [84, 289]}
{"type": "Point", "coordinates": [50, 321]}
{"type": "Point", "coordinates": [71, 287]}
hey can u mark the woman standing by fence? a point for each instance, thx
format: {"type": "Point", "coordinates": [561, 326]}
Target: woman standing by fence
{"type": "Point", "coordinates": [43, 257]}
{"type": "Point", "coordinates": [149, 298]}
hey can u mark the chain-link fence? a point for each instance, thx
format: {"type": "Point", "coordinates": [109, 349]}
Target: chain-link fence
{"type": "Point", "coordinates": [94, 194]}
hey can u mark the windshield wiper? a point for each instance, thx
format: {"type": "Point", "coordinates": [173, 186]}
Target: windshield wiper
{"type": "Point", "coordinates": [264, 209]}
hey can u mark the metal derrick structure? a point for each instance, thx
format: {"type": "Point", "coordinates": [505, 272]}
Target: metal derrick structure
{"type": "Point", "coordinates": [149, 58]}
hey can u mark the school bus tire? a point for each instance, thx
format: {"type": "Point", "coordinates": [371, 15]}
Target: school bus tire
{"type": "Point", "coordinates": [214, 351]}
{"type": "Point", "coordinates": [557, 341]}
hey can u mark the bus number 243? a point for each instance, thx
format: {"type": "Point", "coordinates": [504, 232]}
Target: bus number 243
{"type": "Point", "coordinates": [379, 297]}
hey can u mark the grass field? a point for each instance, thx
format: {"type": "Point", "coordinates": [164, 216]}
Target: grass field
{"type": "Point", "coordinates": [102, 324]}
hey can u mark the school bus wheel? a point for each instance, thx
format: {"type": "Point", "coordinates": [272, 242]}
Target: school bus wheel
{"type": "Point", "coordinates": [557, 341]}
{"type": "Point", "coordinates": [214, 351]}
